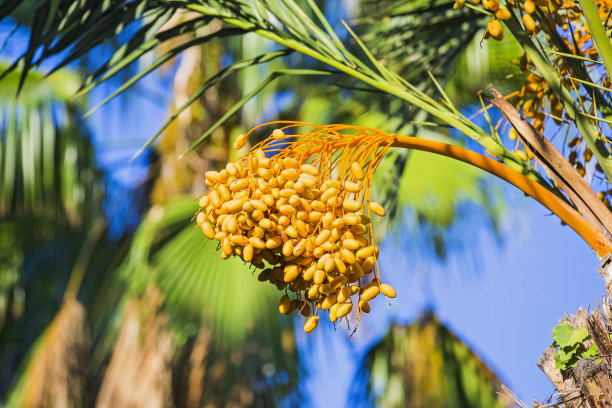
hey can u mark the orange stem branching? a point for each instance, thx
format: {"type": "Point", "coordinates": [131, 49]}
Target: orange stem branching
{"type": "Point", "coordinates": [370, 140]}
{"type": "Point", "coordinates": [564, 211]}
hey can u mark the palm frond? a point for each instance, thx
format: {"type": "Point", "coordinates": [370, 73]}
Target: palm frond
{"type": "Point", "coordinates": [483, 64]}
{"type": "Point", "coordinates": [426, 365]}
{"type": "Point", "coordinates": [224, 298]}
{"type": "Point", "coordinates": [45, 162]}
{"type": "Point", "coordinates": [73, 28]}
{"type": "Point", "coordinates": [161, 60]}
{"type": "Point", "coordinates": [49, 184]}
{"type": "Point", "coordinates": [428, 31]}
{"type": "Point", "coordinates": [295, 29]}
{"type": "Point", "coordinates": [215, 79]}
{"type": "Point", "coordinates": [51, 195]}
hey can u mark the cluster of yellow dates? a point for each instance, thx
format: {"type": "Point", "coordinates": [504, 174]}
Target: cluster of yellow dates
{"type": "Point", "coordinates": [559, 20]}
{"type": "Point", "coordinates": [526, 7]}
{"type": "Point", "coordinates": [313, 233]}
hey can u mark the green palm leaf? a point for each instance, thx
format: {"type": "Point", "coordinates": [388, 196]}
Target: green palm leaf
{"type": "Point", "coordinates": [200, 290]}
{"type": "Point", "coordinates": [50, 200]}
{"type": "Point", "coordinates": [49, 185]}
{"type": "Point", "coordinates": [45, 160]}
{"type": "Point", "coordinates": [426, 365]}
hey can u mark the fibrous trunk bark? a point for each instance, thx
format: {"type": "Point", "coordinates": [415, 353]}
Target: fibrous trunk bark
{"type": "Point", "coordinates": [589, 383]}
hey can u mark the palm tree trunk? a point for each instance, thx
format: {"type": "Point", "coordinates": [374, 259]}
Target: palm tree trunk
{"type": "Point", "coordinates": [589, 383]}
{"type": "Point", "coordinates": [140, 373]}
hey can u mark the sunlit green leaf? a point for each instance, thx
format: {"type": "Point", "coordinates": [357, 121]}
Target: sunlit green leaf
{"type": "Point", "coordinates": [565, 335]}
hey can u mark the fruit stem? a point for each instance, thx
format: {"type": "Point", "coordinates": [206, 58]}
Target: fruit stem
{"type": "Point", "coordinates": [565, 212]}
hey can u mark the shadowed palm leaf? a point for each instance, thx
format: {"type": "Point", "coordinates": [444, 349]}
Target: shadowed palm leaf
{"type": "Point", "coordinates": [46, 161]}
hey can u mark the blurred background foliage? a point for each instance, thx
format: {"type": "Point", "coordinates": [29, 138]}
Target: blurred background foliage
{"type": "Point", "coordinates": [153, 317]}
{"type": "Point", "coordinates": [425, 365]}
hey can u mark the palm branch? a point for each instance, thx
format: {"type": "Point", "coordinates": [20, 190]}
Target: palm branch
{"type": "Point", "coordinates": [302, 29]}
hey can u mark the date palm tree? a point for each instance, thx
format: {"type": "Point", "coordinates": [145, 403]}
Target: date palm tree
{"type": "Point", "coordinates": [394, 78]}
